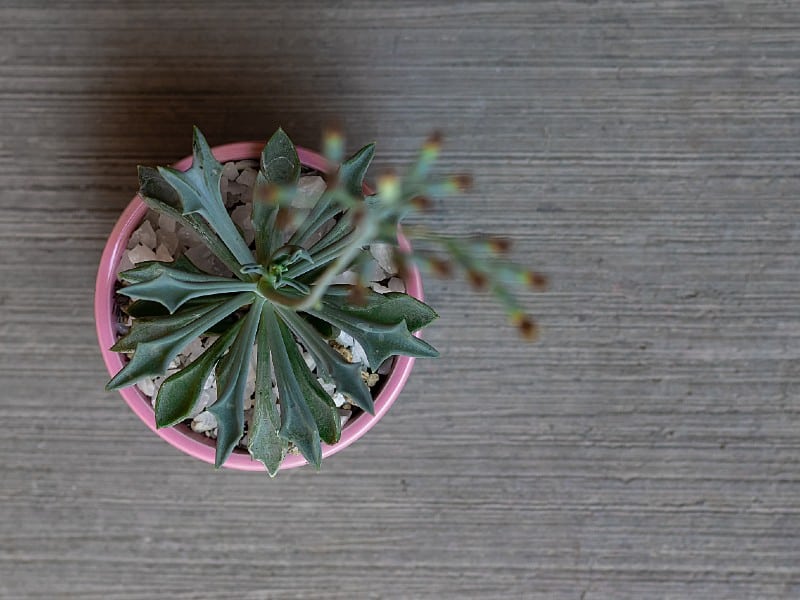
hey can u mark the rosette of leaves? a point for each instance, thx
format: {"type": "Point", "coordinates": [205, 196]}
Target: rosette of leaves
{"type": "Point", "coordinates": [281, 294]}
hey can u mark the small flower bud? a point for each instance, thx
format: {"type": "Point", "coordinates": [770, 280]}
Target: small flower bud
{"type": "Point", "coordinates": [462, 182]}
{"type": "Point", "coordinates": [440, 267]}
{"type": "Point", "coordinates": [535, 280]}
{"type": "Point", "coordinates": [499, 245]}
{"type": "Point", "coordinates": [477, 279]}
{"type": "Point", "coordinates": [421, 203]}
{"type": "Point", "coordinates": [389, 186]}
{"type": "Point", "coordinates": [526, 326]}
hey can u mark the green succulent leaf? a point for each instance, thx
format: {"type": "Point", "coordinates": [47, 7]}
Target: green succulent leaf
{"type": "Point", "coordinates": [280, 164]}
{"type": "Point", "coordinates": [231, 383]}
{"type": "Point", "coordinates": [173, 287]}
{"type": "Point", "coordinates": [162, 197]}
{"type": "Point", "coordinates": [158, 341]}
{"type": "Point", "coordinates": [265, 444]}
{"type": "Point", "coordinates": [307, 412]}
{"type": "Point", "coordinates": [346, 375]}
{"type": "Point", "coordinates": [376, 328]}
{"type": "Point", "coordinates": [179, 394]}
{"type": "Point", "coordinates": [263, 216]}
{"type": "Point", "coordinates": [389, 308]}
{"type": "Point", "coordinates": [199, 191]}
{"type": "Point", "coordinates": [353, 170]}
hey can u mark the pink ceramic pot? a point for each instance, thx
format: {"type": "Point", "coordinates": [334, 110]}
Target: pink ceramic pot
{"type": "Point", "coordinates": [181, 436]}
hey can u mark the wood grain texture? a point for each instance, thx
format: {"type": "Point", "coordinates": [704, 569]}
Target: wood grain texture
{"type": "Point", "coordinates": [645, 155]}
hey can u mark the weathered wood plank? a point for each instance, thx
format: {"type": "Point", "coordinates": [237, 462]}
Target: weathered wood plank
{"type": "Point", "coordinates": [644, 154]}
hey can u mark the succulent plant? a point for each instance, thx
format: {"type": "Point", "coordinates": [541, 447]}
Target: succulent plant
{"type": "Point", "coordinates": [282, 294]}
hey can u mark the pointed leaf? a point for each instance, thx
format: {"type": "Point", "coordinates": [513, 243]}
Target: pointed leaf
{"type": "Point", "coordinates": [379, 340]}
{"type": "Point", "coordinates": [149, 329]}
{"type": "Point", "coordinates": [158, 341]}
{"type": "Point", "coordinates": [346, 375]}
{"type": "Point", "coordinates": [389, 308]}
{"type": "Point", "coordinates": [162, 198]}
{"type": "Point", "coordinates": [179, 394]}
{"type": "Point", "coordinates": [307, 412]}
{"type": "Point", "coordinates": [173, 287]}
{"type": "Point", "coordinates": [199, 191]}
{"type": "Point", "coordinates": [231, 383]}
{"type": "Point", "coordinates": [279, 161]}
{"type": "Point", "coordinates": [353, 170]}
{"type": "Point", "coordinates": [265, 444]}
{"type": "Point", "coordinates": [263, 216]}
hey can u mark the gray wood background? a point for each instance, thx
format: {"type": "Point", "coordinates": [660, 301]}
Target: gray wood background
{"type": "Point", "coordinates": [644, 154]}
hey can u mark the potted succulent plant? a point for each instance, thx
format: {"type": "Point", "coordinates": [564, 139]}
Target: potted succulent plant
{"type": "Point", "coordinates": [267, 315]}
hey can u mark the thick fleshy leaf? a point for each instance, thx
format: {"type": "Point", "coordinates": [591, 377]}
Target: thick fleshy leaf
{"type": "Point", "coordinates": [263, 216]}
{"type": "Point", "coordinates": [307, 412]}
{"type": "Point", "coordinates": [199, 191]}
{"type": "Point", "coordinates": [346, 375]}
{"type": "Point", "coordinates": [158, 341]}
{"type": "Point", "coordinates": [265, 445]}
{"type": "Point", "coordinates": [179, 394]}
{"type": "Point", "coordinates": [231, 383]}
{"type": "Point", "coordinates": [172, 287]}
{"type": "Point", "coordinates": [280, 164]}
{"type": "Point", "coordinates": [162, 197]}
{"type": "Point", "coordinates": [149, 329]}
{"type": "Point", "coordinates": [389, 308]}
{"type": "Point", "coordinates": [353, 170]}
{"type": "Point", "coordinates": [379, 339]}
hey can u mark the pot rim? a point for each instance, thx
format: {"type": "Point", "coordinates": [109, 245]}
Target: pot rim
{"type": "Point", "coordinates": [182, 438]}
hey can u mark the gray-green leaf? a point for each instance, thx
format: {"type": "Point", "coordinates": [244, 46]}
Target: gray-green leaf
{"type": "Point", "coordinates": [380, 326]}
{"type": "Point", "coordinates": [265, 444]}
{"type": "Point", "coordinates": [199, 190]}
{"type": "Point", "coordinates": [179, 395]}
{"type": "Point", "coordinates": [231, 383]}
{"type": "Point", "coordinates": [279, 161]}
{"type": "Point", "coordinates": [158, 341]}
{"type": "Point", "coordinates": [346, 375]}
{"type": "Point", "coordinates": [173, 287]}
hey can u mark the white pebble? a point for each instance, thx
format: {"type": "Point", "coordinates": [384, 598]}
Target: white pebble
{"type": "Point", "coordinates": [147, 386]}
{"type": "Point", "coordinates": [125, 262]}
{"type": "Point", "coordinates": [338, 399]}
{"type": "Point", "coordinates": [329, 387]}
{"type": "Point", "coordinates": [247, 177]}
{"type": "Point", "coordinates": [310, 362]}
{"type": "Point", "coordinates": [229, 171]}
{"type": "Point", "coordinates": [397, 285]}
{"type": "Point", "coordinates": [345, 278]}
{"type": "Point", "coordinates": [168, 239]}
{"type": "Point", "coordinates": [384, 255]}
{"type": "Point", "coordinates": [163, 254]}
{"type": "Point", "coordinates": [147, 235]}
{"type": "Point", "coordinates": [309, 190]}
{"type": "Point", "coordinates": [241, 216]}
{"type": "Point", "coordinates": [359, 355]}
{"type": "Point", "coordinates": [141, 254]}
{"type": "Point", "coordinates": [166, 223]}
{"type": "Point", "coordinates": [203, 422]}
{"type": "Point", "coordinates": [380, 289]}
{"type": "Point", "coordinates": [247, 163]}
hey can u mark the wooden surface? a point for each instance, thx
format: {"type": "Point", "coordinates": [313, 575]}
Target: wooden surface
{"type": "Point", "coordinates": [644, 154]}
